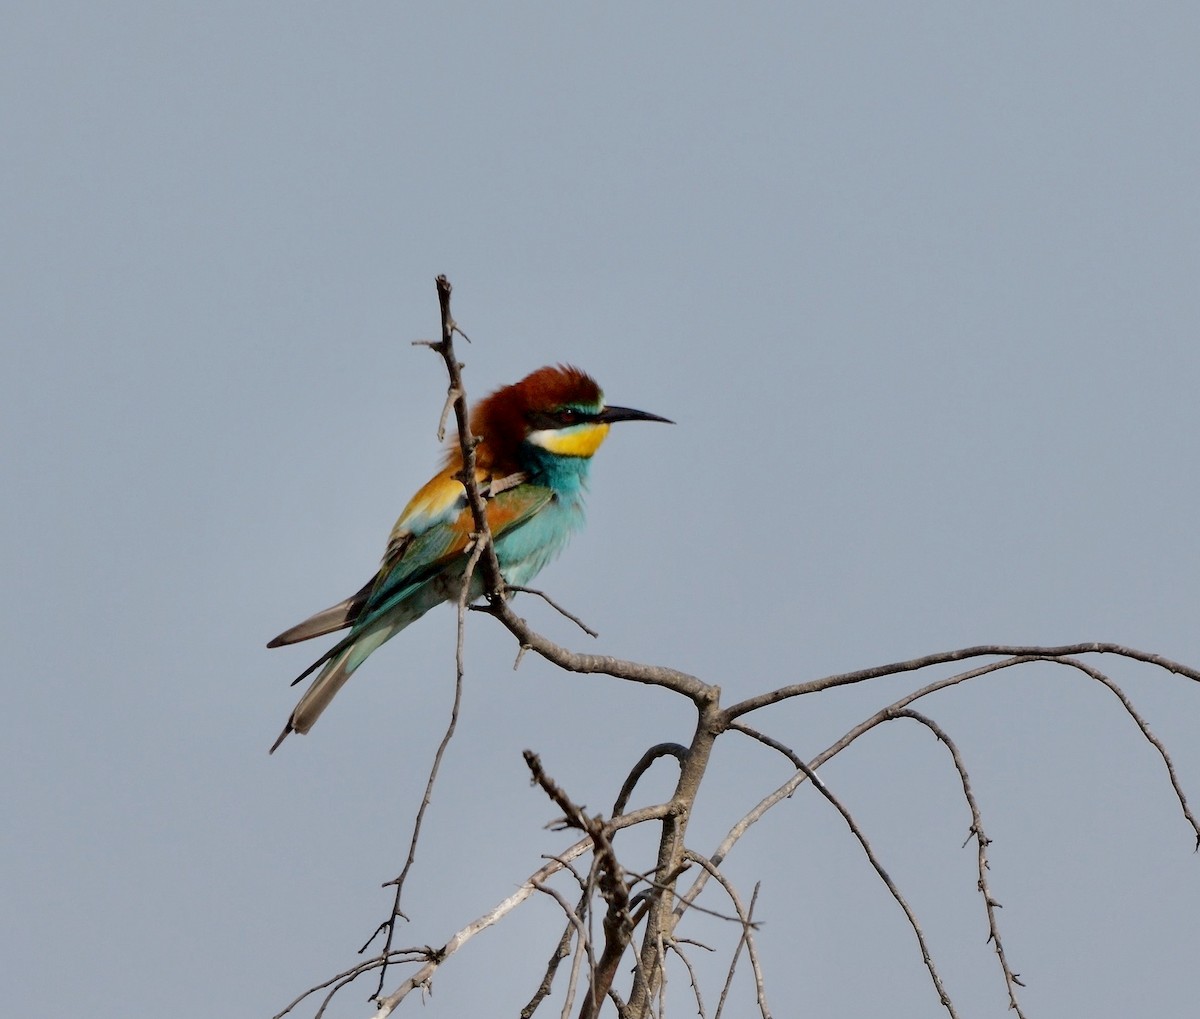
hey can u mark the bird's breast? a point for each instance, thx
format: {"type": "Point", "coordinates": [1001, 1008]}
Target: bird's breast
{"type": "Point", "coordinates": [526, 549]}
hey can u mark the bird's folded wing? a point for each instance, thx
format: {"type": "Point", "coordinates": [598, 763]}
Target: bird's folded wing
{"type": "Point", "coordinates": [412, 559]}
{"type": "Point", "coordinates": [434, 527]}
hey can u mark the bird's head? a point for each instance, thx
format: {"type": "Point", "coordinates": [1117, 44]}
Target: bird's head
{"type": "Point", "coordinates": [559, 409]}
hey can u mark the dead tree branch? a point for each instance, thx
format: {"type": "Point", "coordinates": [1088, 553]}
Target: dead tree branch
{"type": "Point", "coordinates": [654, 913]}
{"type": "Point", "coordinates": [1011, 980]}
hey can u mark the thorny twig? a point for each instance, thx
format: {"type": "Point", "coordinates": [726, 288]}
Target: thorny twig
{"type": "Point", "coordinates": [1011, 980]}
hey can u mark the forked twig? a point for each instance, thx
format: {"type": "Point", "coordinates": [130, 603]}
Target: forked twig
{"type": "Point", "coordinates": [737, 953]}
{"type": "Point", "coordinates": [746, 920]}
{"type": "Point", "coordinates": [674, 946]}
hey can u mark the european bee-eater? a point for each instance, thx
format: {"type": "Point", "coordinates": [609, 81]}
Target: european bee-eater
{"type": "Point", "coordinates": [537, 438]}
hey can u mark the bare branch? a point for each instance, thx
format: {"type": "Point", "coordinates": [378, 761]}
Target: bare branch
{"type": "Point", "coordinates": [609, 878]}
{"type": "Point", "coordinates": [943, 657]}
{"type": "Point", "coordinates": [452, 395]}
{"type": "Point", "coordinates": [1154, 741]}
{"type": "Point", "coordinates": [389, 925]}
{"type": "Point", "coordinates": [660, 917]}
{"type": "Point", "coordinates": [1011, 980]}
{"type": "Point", "coordinates": [494, 915]}
{"type": "Point", "coordinates": [809, 772]}
{"type": "Point", "coordinates": [493, 580]}
{"type": "Point", "coordinates": [698, 692]}
{"type": "Point", "coordinates": [340, 980]}
{"type": "Point", "coordinates": [557, 608]}
{"type": "Point", "coordinates": [674, 947]}
{"type": "Point", "coordinates": [575, 919]}
{"type": "Point", "coordinates": [768, 741]}
{"type": "Point", "coordinates": [561, 951]}
{"type": "Point", "coordinates": [737, 953]}
{"type": "Point", "coordinates": [649, 757]}
{"type": "Point", "coordinates": [746, 922]}
{"type": "Point", "coordinates": [785, 790]}
{"type": "Point", "coordinates": [575, 816]}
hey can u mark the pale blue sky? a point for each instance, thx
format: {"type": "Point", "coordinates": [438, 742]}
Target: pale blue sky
{"type": "Point", "coordinates": [917, 282]}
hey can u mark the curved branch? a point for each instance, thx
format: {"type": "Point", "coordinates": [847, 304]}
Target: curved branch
{"type": "Point", "coordinates": [1011, 980]}
{"type": "Point", "coordinates": [1154, 741]}
{"type": "Point", "coordinates": [346, 977]}
{"type": "Point", "coordinates": [676, 750]}
{"type": "Point", "coordinates": [790, 786]}
{"type": "Point", "coordinates": [694, 689]}
{"type": "Point", "coordinates": [808, 772]}
{"type": "Point", "coordinates": [674, 947]}
{"type": "Point", "coordinates": [943, 657]}
{"type": "Point", "coordinates": [787, 788]}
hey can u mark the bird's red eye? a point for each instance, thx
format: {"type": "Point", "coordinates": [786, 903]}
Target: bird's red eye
{"type": "Point", "coordinates": [566, 415]}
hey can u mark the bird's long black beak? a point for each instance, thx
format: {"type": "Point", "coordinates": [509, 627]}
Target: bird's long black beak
{"type": "Point", "coordinates": [610, 414]}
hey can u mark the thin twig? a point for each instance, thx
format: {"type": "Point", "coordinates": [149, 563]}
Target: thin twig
{"type": "Point", "coordinates": [674, 946]}
{"type": "Point", "coordinates": [608, 876]}
{"type": "Point", "coordinates": [697, 691]}
{"type": "Point", "coordinates": [585, 942]}
{"type": "Point", "coordinates": [561, 951]}
{"type": "Point", "coordinates": [494, 915]}
{"type": "Point", "coordinates": [755, 813]}
{"type": "Point", "coordinates": [347, 976]}
{"type": "Point", "coordinates": [1011, 980]}
{"type": "Point", "coordinates": [893, 889]}
{"type": "Point", "coordinates": [1154, 741]}
{"type": "Point", "coordinates": [747, 925]}
{"type": "Point", "coordinates": [737, 952]}
{"type": "Point", "coordinates": [390, 924]}
{"type": "Point", "coordinates": [557, 608]}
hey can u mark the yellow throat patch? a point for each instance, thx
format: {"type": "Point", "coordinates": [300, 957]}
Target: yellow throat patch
{"type": "Point", "coordinates": [580, 440]}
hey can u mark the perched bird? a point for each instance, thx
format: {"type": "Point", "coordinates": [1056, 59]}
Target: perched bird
{"type": "Point", "coordinates": [537, 439]}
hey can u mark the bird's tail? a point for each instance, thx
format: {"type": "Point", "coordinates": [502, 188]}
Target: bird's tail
{"type": "Point", "coordinates": [339, 668]}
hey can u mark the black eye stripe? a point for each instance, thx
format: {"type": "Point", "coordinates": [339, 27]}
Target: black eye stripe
{"type": "Point", "coordinates": [561, 418]}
